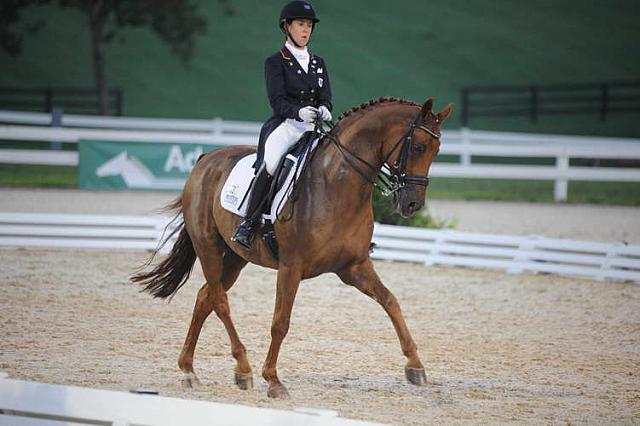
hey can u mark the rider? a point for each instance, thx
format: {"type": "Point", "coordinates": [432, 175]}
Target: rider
{"type": "Point", "coordinates": [299, 92]}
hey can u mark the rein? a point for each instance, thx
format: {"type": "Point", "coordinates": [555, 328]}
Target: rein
{"type": "Point", "coordinates": [389, 179]}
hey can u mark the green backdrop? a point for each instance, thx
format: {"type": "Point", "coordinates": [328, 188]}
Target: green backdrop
{"type": "Point", "coordinates": [405, 48]}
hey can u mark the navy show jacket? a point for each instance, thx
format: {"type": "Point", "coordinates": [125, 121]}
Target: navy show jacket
{"type": "Point", "coordinates": [290, 88]}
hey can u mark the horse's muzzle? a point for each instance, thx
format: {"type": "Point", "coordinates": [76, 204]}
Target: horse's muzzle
{"type": "Point", "coordinates": [409, 201]}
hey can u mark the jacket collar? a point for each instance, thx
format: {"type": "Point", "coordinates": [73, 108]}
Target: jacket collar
{"type": "Point", "coordinates": [286, 53]}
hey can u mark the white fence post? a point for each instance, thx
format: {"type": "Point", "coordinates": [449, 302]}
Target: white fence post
{"type": "Point", "coordinates": [465, 139]}
{"type": "Point", "coordinates": [56, 121]}
{"type": "Point", "coordinates": [217, 126]}
{"type": "Point", "coordinates": [522, 255]}
{"type": "Point", "coordinates": [561, 185]}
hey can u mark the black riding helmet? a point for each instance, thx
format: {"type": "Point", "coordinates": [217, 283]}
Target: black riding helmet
{"type": "Point", "coordinates": [297, 9]}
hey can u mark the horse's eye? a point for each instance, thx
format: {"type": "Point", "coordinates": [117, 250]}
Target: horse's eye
{"type": "Point", "coordinates": [418, 148]}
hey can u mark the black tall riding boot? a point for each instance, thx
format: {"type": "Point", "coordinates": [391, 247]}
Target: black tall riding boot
{"type": "Point", "coordinates": [245, 232]}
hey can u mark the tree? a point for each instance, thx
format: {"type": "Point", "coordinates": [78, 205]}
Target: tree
{"type": "Point", "coordinates": [10, 40]}
{"type": "Point", "coordinates": [176, 22]}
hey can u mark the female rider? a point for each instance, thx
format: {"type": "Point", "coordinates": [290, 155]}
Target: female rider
{"type": "Point", "coordinates": [299, 92]}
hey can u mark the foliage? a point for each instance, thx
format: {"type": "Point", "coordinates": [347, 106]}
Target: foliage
{"type": "Point", "coordinates": [176, 22]}
{"type": "Point", "coordinates": [492, 189]}
{"type": "Point", "coordinates": [384, 212]}
{"type": "Point", "coordinates": [22, 175]}
{"type": "Point", "coordinates": [617, 193]}
{"type": "Point", "coordinates": [10, 39]}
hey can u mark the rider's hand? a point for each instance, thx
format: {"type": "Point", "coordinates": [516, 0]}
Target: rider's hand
{"type": "Point", "coordinates": [308, 114]}
{"type": "Point", "coordinates": [324, 113]}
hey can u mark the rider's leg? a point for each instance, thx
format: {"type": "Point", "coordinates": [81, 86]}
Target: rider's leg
{"type": "Point", "coordinates": [276, 145]}
{"type": "Point", "coordinates": [246, 230]}
{"type": "Point", "coordinates": [279, 142]}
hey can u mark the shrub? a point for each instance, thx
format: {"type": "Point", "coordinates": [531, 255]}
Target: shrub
{"type": "Point", "coordinates": [384, 212]}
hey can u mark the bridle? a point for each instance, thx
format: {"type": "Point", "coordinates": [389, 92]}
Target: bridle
{"type": "Point", "coordinates": [390, 178]}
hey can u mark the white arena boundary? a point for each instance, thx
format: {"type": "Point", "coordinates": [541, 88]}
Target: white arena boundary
{"type": "Point", "coordinates": [40, 404]}
{"type": "Point", "coordinates": [513, 254]}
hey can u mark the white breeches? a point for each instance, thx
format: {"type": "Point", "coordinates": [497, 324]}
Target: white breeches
{"type": "Point", "coordinates": [280, 140]}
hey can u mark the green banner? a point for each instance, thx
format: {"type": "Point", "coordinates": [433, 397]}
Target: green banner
{"type": "Point", "coordinates": [136, 165]}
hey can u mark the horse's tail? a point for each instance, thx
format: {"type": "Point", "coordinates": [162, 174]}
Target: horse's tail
{"type": "Point", "coordinates": [173, 272]}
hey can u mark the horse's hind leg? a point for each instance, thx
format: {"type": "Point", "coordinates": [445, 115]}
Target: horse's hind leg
{"type": "Point", "coordinates": [363, 277]}
{"type": "Point", "coordinates": [221, 273]}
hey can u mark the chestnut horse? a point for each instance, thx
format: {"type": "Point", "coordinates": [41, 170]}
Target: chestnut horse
{"type": "Point", "coordinates": [330, 230]}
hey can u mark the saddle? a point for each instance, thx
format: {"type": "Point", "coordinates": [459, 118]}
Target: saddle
{"type": "Point", "coordinates": [286, 165]}
{"type": "Point", "coordinates": [283, 187]}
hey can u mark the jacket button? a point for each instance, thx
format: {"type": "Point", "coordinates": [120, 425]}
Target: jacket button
{"type": "Point", "coordinates": [313, 91]}
{"type": "Point", "coordinates": [312, 99]}
{"type": "Point", "coordinates": [302, 92]}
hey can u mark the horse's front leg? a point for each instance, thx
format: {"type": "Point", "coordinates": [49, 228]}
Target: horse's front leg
{"type": "Point", "coordinates": [288, 282]}
{"type": "Point", "coordinates": [363, 277]}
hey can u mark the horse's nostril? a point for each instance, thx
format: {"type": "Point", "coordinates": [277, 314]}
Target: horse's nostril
{"type": "Point", "coordinates": [412, 206]}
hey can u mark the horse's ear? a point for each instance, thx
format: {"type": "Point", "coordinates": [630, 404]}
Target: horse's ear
{"type": "Point", "coordinates": [442, 115]}
{"type": "Point", "coordinates": [427, 106]}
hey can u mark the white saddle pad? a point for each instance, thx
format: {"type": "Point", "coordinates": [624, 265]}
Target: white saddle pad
{"type": "Point", "coordinates": [237, 184]}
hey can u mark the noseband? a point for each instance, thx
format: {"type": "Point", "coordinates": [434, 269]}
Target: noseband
{"type": "Point", "coordinates": [391, 178]}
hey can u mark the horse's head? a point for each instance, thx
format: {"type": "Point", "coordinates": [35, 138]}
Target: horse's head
{"type": "Point", "coordinates": [412, 148]}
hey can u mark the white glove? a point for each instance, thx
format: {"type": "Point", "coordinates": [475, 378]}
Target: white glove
{"type": "Point", "coordinates": [324, 113]}
{"type": "Point", "coordinates": [308, 114]}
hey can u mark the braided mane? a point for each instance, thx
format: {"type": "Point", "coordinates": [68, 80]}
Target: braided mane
{"type": "Point", "coordinates": [371, 103]}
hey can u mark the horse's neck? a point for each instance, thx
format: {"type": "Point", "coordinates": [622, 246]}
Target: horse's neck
{"type": "Point", "coordinates": [364, 138]}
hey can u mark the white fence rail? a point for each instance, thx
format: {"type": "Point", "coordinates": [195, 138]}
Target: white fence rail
{"type": "Point", "coordinates": [514, 254]}
{"type": "Point", "coordinates": [31, 403]}
{"type": "Point", "coordinates": [214, 125]}
{"type": "Point", "coordinates": [465, 143]}
{"type": "Point", "coordinates": [81, 231]}
{"type": "Point", "coordinates": [63, 134]}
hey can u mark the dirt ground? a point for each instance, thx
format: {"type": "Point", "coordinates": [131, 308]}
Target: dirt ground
{"type": "Point", "coordinates": [497, 348]}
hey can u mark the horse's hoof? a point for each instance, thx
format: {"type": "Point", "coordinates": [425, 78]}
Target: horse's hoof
{"type": "Point", "coordinates": [279, 392]}
{"type": "Point", "coordinates": [244, 380]}
{"type": "Point", "coordinates": [415, 376]}
{"type": "Point", "coordinates": [190, 381]}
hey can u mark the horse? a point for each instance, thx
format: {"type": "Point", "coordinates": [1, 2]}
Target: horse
{"type": "Point", "coordinates": [330, 230]}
